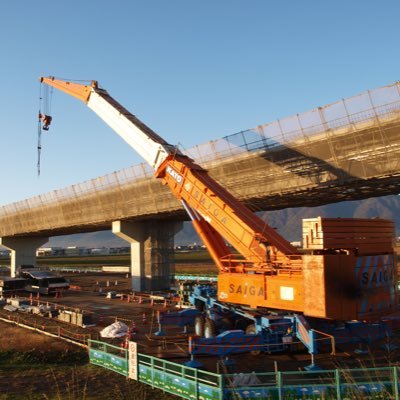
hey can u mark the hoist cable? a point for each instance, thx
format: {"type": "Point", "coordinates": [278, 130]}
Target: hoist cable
{"type": "Point", "coordinates": [73, 80]}
{"type": "Point", "coordinates": [39, 140]}
{"type": "Point", "coordinates": [44, 118]}
{"type": "Point", "coordinates": [50, 100]}
{"type": "Point", "coordinates": [39, 145]}
{"type": "Point", "coordinates": [46, 100]}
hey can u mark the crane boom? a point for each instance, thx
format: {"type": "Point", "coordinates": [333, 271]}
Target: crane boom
{"type": "Point", "coordinates": [206, 201]}
{"type": "Point", "coordinates": [268, 272]}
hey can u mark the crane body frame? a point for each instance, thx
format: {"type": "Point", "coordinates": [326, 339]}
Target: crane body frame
{"type": "Point", "coordinates": [262, 248]}
{"type": "Point", "coordinates": [268, 272]}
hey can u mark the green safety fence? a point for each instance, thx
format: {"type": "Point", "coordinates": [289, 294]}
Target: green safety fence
{"type": "Point", "coordinates": [338, 384]}
{"type": "Point", "coordinates": [188, 383]}
{"type": "Point", "coordinates": [191, 383]}
{"type": "Point", "coordinates": [195, 278]}
{"type": "Point", "coordinates": [108, 356]}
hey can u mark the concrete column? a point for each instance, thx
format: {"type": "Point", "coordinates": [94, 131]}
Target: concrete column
{"type": "Point", "coordinates": [134, 233]}
{"type": "Point", "coordinates": [23, 250]}
{"type": "Point", "coordinates": [158, 253]}
{"type": "Point", "coordinates": [152, 244]}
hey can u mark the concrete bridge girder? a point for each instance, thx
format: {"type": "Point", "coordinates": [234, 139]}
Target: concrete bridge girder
{"type": "Point", "coordinates": [152, 244]}
{"type": "Point", "coordinates": [344, 163]}
{"type": "Point", "coordinates": [23, 250]}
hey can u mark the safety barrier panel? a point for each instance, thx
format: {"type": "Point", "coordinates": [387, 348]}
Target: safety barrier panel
{"type": "Point", "coordinates": [191, 383]}
{"type": "Point", "coordinates": [188, 383]}
{"type": "Point", "coordinates": [330, 384]}
{"type": "Point", "coordinates": [195, 278]}
{"type": "Point", "coordinates": [108, 356]}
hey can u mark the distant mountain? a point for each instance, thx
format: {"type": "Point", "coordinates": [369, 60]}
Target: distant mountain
{"type": "Point", "coordinates": [287, 222]}
{"type": "Point", "coordinates": [91, 240]}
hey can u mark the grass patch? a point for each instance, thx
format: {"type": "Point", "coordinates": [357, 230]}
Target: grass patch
{"type": "Point", "coordinates": [72, 383]}
{"type": "Point", "coordinates": [37, 374]}
{"type": "Point", "coordinates": [190, 257]}
{"type": "Point", "coordinates": [12, 358]}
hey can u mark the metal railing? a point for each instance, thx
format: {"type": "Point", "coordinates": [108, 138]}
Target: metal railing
{"type": "Point", "coordinates": [191, 383]}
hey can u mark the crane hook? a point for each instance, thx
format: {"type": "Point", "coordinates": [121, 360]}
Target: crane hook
{"type": "Point", "coordinates": [46, 121]}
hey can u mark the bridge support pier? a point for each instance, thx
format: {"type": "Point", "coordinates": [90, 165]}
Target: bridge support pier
{"type": "Point", "coordinates": [23, 250]}
{"type": "Point", "coordinates": [152, 244]}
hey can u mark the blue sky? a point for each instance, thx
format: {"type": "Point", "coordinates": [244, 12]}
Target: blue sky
{"type": "Point", "coordinates": [192, 70]}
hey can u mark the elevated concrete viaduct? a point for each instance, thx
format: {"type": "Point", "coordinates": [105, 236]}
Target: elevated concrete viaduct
{"type": "Point", "coordinates": [347, 150]}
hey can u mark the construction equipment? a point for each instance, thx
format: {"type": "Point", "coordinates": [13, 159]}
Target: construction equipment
{"type": "Point", "coordinates": [347, 270]}
{"type": "Point", "coordinates": [43, 282]}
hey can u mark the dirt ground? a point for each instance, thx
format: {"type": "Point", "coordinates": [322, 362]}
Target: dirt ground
{"type": "Point", "coordinates": [34, 366]}
{"type": "Point", "coordinates": [91, 298]}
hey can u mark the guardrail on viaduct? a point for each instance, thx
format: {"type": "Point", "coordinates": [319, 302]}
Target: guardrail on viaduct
{"type": "Point", "coordinates": [347, 150]}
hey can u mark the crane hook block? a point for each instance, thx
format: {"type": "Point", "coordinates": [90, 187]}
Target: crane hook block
{"type": "Point", "coordinates": [46, 121]}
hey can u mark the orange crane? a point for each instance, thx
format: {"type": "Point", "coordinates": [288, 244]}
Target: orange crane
{"type": "Point", "coordinates": [343, 275]}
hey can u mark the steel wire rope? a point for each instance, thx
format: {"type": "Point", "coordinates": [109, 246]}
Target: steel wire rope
{"type": "Point", "coordinates": [47, 99]}
{"type": "Point", "coordinates": [45, 102]}
{"type": "Point", "coordinates": [71, 80]}
{"type": "Point", "coordinates": [39, 130]}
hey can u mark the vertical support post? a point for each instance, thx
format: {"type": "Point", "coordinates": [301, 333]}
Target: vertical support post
{"type": "Point", "coordinates": [152, 371]}
{"type": "Point", "coordinates": [196, 385]}
{"type": "Point", "coordinates": [338, 387]}
{"type": "Point", "coordinates": [279, 384]}
{"type": "Point", "coordinates": [396, 383]}
{"type": "Point", "coordinates": [151, 251]}
{"type": "Point", "coordinates": [158, 253]}
{"type": "Point", "coordinates": [221, 386]}
{"type": "Point", "coordinates": [134, 233]}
